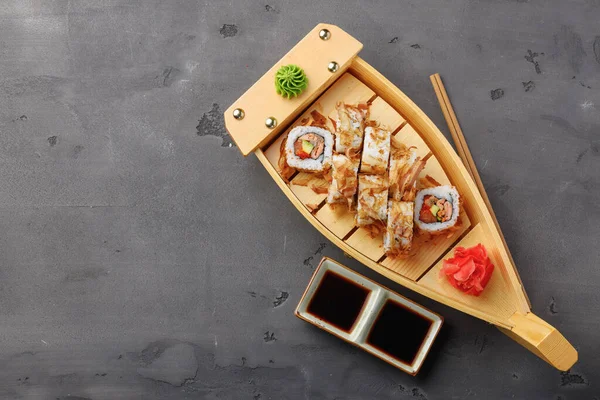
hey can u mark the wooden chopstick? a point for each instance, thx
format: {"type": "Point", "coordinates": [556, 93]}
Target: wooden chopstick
{"type": "Point", "coordinates": [465, 154]}
{"type": "Point", "coordinates": [457, 135]}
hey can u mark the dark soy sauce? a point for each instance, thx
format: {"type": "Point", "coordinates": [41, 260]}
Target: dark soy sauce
{"type": "Point", "coordinates": [399, 332]}
{"type": "Point", "coordinates": [338, 301]}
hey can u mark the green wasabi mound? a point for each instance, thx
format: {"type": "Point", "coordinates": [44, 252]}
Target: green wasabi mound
{"type": "Point", "coordinates": [290, 81]}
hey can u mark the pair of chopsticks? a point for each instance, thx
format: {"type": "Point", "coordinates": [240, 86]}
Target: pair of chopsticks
{"type": "Point", "coordinates": [465, 154]}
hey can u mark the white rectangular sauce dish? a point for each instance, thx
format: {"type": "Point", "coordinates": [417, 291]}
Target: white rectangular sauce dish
{"type": "Point", "coordinates": [370, 316]}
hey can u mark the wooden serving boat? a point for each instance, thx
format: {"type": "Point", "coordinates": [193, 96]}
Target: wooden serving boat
{"type": "Point", "coordinates": [261, 120]}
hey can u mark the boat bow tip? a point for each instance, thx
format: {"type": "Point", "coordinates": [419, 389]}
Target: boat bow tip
{"type": "Point", "coordinates": [542, 339]}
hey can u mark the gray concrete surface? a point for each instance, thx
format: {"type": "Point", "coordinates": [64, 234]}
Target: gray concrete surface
{"type": "Point", "coordinates": [142, 257]}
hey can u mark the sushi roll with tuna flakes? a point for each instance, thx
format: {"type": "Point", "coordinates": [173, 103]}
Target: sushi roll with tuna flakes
{"type": "Point", "coordinates": [344, 180]}
{"type": "Point", "coordinates": [398, 236]}
{"type": "Point", "coordinates": [350, 126]}
{"type": "Point", "coordinates": [372, 199]}
{"type": "Point", "coordinates": [401, 160]}
{"type": "Point", "coordinates": [309, 148]}
{"type": "Point", "coordinates": [376, 150]}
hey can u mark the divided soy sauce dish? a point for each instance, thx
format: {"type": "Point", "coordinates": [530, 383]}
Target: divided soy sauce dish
{"type": "Point", "coordinates": [370, 316]}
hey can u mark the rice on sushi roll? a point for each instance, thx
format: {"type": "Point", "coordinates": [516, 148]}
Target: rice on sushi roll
{"type": "Point", "coordinates": [397, 238]}
{"type": "Point", "coordinates": [437, 209]}
{"type": "Point", "coordinates": [376, 151]}
{"type": "Point", "coordinates": [344, 180]}
{"type": "Point", "coordinates": [372, 199]}
{"type": "Point", "coordinates": [309, 148]}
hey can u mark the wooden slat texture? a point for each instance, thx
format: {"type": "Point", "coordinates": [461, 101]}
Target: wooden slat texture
{"type": "Point", "coordinates": [272, 153]}
{"type": "Point", "coordinates": [261, 100]}
{"type": "Point", "coordinates": [337, 219]}
{"type": "Point", "coordinates": [426, 250]}
{"type": "Point", "coordinates": [385, 114]}
{"type": "Point", "coordinates": [371, 247]}
{"type": "Point", "coordinates": [347, 89]}
{"type": "Point", "coordinates": [493, 301]}
{"type": "Point", "coordinates": [305, 193]}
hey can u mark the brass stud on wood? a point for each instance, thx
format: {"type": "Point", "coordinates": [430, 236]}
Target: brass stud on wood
{"type": "Point", "coordinates": [239, 114]}
{"type": "Point", "coordinates": [333, 66]}
{"type": "Point", "coordinates": [324, 34]}
{"type": "Point", "coordinates": [271, 122]}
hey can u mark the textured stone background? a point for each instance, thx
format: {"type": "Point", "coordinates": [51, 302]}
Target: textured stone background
{"type": "Point", "coordinates": [142, 257]}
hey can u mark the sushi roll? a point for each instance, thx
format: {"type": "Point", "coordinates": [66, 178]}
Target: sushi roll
{"type": "Point", "coordinates": [372, 199]}
{"type": "Point", "coordinates": [397, 238]}
{"type": "Point", "coordinates": [437, 209]}
{"type": "Point", "coordinates": [350, 126]}
{"type": "Point", "coordinates": [344, 180]}
{"type": "Point", "coordinates": [309, 148]}
{"type": "Point", "coordinates": [376, 151]}
{"type": "Point", "coordinates": [401, 160]}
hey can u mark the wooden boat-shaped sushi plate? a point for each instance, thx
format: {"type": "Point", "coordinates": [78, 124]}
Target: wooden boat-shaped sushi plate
{"type": "Point", "coordinates": [503, 302]}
